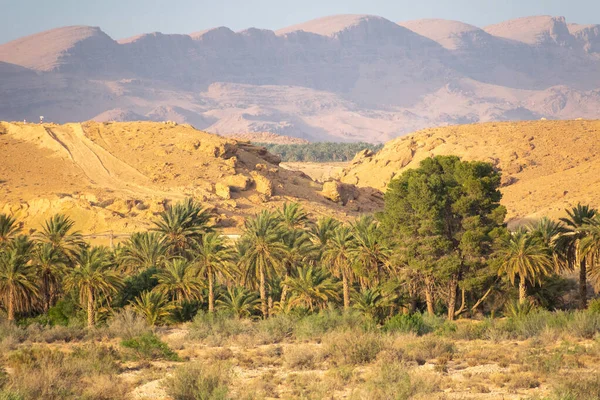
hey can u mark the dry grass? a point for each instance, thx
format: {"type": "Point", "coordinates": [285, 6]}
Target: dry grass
{"type": "Point", "coordinates": [326, 358]}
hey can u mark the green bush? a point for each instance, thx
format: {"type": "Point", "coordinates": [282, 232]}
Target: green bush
{"type": "Point", "coordinates": [594, 306]}
{"type": "Point", "coordinates": [407, 323]}
{"type": "Point", "coordinates": [149, 347]}
{"type": "Point", "coordinates": [64, 312]}
{"type": "Point", "coordinates": [314, 326]}
{"type": "Point", "coordinates": [199, 381]}
{"type": "Point", "coordinates": [275, 329]}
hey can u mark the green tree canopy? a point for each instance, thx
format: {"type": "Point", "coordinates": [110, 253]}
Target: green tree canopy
{"type": "Point", "coordinates": [443, 218]}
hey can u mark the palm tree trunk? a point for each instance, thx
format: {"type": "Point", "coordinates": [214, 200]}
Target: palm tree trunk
{"type": "Point", "coordinates": [11, 304]}
{"type": "Point", "coordinates": [452, 288]}
{"type": "Point", "coordinates": [263, 293]}
{"type": "Point", "coordinates": [284, 290]}
{"type": "Point", "coordinates": [346, 291]}
{"type": "Point", "coordinates": [46, 288]}
{"type": "Point", "coordinates": [522, 290]}
{"type": "Point", "coordinates": [90, 309]}
{"type": "Point", "coordinates": [211, 294]}
{"type": "Point", "coordinates": [429, 295]}
{"type": "Point", "coordinates": [582, 285]}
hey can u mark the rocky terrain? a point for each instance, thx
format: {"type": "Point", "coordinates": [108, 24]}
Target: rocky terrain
{"type": "Point", "coordinates": [116, 176]}
{"type": "Point", "coordinates": [338, 78]}
{"type": "Point", "coordinates": [547, 166]}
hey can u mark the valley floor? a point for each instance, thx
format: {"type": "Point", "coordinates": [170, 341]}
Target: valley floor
{"type": "Point", "coordinates": [268, 363]}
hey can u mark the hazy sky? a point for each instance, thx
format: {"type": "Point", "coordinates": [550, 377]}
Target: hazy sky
{"type": "Point", "coordinates": [124, 18]}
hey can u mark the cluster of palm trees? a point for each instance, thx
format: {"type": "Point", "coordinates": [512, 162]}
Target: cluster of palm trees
{"type": "Point", "coordinates": [283, 262]}
{"type": "Point", "coordinates": [551, 247]}
{"type": "Point", "coordinates": [289, 260]}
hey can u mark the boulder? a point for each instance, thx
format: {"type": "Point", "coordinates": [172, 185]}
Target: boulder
{"type": "Point", "coordinates": [238, 182]}
{"type": "Point", "coordinates": [264, 185]}
{"type": "Point", "coordinates": [222, 190]}
{"type": "Point", "coordinates": [339, 192]}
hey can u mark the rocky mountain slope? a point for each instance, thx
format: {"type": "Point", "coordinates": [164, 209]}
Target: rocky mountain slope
{"type": "Point", "coordinates": [116, 176]}
{"type": "Point", "coordinates": [547, 166]}
{"type": "Point", "coordinates": [342, 78]}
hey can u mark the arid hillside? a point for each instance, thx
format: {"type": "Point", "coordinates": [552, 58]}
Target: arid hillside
{"type": "Point", "coordinates": [547, 166]}
{"type": "Point", "coordinates": [116, 176]}
{"type": "Point", "coordinates": [337, 78]}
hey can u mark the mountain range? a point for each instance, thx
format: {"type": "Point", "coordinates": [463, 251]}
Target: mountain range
{"type": "Point", "coordinates": [338, 78]}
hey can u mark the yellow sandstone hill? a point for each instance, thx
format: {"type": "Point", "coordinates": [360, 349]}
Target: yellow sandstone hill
{"type": "Point", "coordinates": [547, 166]}
{"type": "Point", "coordinates": [117, 176]}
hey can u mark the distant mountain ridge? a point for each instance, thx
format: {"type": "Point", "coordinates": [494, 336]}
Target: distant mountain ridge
{"type": "Point", "coordinates": [341, 78]}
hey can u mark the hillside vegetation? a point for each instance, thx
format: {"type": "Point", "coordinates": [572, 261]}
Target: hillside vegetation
{"type": "Point", "coordinates": [319, 152]}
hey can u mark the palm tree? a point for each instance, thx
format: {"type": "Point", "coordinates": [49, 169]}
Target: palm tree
{"type": "Point", "coordinates": [17, 280]}
{"type": "Point", "coordinates": [312, 287]}
{"type": "Point", "coordinates": [178, 280]}
{"type": "Point", "coordinates": [143, 251]}
{"type": "Point", "coordinates": [93, 276]}
{"type": "Point", "coordinates": [590, 247]}
{"type": "Point", "coordinates": [182, 226]}
{"type": "Point", "coordinates": [323, 230]}
{"type": "Point", "coordinates": [371, 302]}
{"type": "Point", "coordinates": [550, 232]}
{"type": "Point", "coordinates": [238, 301]}
{"type": "Point", "coordinates": [57, 231]}
{"type": "Point", "coordinates": [336, 257]}
{"type": "Point", "coordinates": [293, 216]}
{"type": "Point", "coordinates": [9, 229]}
{"type": "Point", "coordinates": [570, 244]}
{"type": "Point", "coordinates": [154, 306]}
{"type": "Point", "coordinates": [299, 250]}
{"type": "Point", "coordinates": [264, 252]}
{"type": "Point", "coordinates": [213, 257]}
{"type": "Point", "coordinates": [524, 255]}
{"type": "Point", "coordinates": [50, 265]}
{"type": "Point", "coordinates": [370, 252]}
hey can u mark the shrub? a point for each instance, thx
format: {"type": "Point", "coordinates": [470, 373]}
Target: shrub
{"type": "Point", "coordinates": [12, 331]}
{"type": "Point", "coordinates": [126, 324]}
{"type": "Point", "coordinates": [149, 347]}
{"type": "Point", "coordinates": [594, 306]}
{"type": "Point", "coordinates": [41, 373]}
{"type": "Point", "coordinates": [429, 348]}
{"type": "Point", "coordinates": [578, 388]}
{"type": "Point", "coordinates": [199, 381]}
{"type": "Point", "coordinates": [585, 324]}
{"type": "Point", "coordinates": [217, 327]}
{"type": "Point", "coordinates": [301, 357]}
{"type": "Point", "coordinates": [51, 334]}
{"type": "Point", "coordinates": [275, 329]}
{"type": "Point", "coordinates": [393, 381]}
{"type": "Point", "coordinates": [64, 312]}
{"type": "Point", "coordinates": [314, 326]}
{"type": "Point", "coordinates": [353, 347]}
{"type": "Point", "coordinates": [407, 323]}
